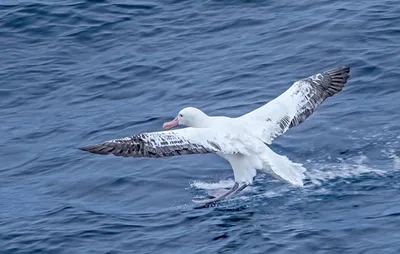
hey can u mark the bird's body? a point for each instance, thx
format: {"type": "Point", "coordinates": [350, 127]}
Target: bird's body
{"type": "Point", "coordinates": [242, 141]}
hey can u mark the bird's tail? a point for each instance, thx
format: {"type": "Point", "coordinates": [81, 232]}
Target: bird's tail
{"type": "Point", "coordinates": [281, 167]}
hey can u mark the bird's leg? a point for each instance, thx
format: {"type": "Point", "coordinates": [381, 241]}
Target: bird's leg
{"type": "Point", "coordinates": [238, 190]}
{"type": "Point", "coordinates": [213, 200]}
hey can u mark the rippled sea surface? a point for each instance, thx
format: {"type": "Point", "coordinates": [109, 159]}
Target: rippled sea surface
{"type": "Point", "coordinates": [74, 73]}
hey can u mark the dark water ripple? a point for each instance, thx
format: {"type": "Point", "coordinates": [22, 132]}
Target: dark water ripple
{"type": "Point", "coordinates": [76, 72]}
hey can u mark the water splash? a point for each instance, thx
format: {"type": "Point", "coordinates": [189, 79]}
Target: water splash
{"type": "Point", "coordinates": [317, 174]}
{"type": "Point", "coordinates": [322, 172]}
{"type": "Point", "coordinates": [222, 184]}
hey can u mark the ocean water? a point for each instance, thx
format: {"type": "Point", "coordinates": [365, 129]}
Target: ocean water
{"type": "Point", "coordinates": [78, 72]}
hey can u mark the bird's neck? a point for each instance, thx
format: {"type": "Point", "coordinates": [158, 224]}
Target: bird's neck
{"type": "Point", "coordinates": [203, 121]}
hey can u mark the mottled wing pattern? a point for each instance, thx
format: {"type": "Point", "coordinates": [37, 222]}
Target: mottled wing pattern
{"type": "Point", "coordinates": [169, 143]}
{"type": "Point", "coordinates": [296, 104]}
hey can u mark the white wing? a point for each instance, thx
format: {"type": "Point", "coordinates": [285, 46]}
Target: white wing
{"type": "Point", "coordinates": [296, 104]}
{"type": "Point", "coordinates": [176, 142]}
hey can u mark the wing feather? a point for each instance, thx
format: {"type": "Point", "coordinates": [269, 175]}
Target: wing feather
{"type": "Point", "coordinates": [296, 104]}
{"type": "Point", "coordinates": [172, 143]}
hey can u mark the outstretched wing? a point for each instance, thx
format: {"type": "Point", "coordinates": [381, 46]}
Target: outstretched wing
{"type": "Point", "coordinates": [171, 143]}
{"type": "Point", "coordinates": [296, 104]}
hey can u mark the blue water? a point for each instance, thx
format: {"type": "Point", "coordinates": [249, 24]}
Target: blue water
{"type": "Point", "coordinates": [74, 73]}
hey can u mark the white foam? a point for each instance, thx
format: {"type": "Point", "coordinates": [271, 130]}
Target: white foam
{"type": "Point", "coordinates": [324, 172]}
{"type": "Point", "coordinates": [273, 194]}
{"type": "Point", "coordinates": [392, 155]}
{"type": "Point", "coordinates": [222, 184]}
{"type": "Point", "coordinates": [219, 187]}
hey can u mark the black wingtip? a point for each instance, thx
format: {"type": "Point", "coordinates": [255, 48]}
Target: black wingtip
{"type": "Point", "coordinates": [84, 148]}
{"type": "Point", "coordinates": [87, 148]}
{"type": "Point", "coordinates": [338, 78]}
{"type": "Point", "coordinates": [96, 149]}
{"type": "Point", "coordinates": [340, 74]}
{"type": "Point", "coordinates": [344, 69]}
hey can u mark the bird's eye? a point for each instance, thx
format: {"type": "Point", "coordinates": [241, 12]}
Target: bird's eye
{"type": "Point", "coordinates": [180, 115]}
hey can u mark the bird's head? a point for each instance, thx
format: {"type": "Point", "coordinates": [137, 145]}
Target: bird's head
{"type": "Point", "coordinates": [191, 117]}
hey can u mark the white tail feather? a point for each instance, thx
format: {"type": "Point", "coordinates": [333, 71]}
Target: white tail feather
{"type": "Point", "coordinates": [282, 168]}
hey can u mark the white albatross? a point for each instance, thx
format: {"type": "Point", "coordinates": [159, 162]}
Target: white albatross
{"type": "Point", "coordinates": [242, 141]}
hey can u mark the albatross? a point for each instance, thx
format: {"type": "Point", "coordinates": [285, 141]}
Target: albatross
{"type": "Point", "coordinates": [243, 141]}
